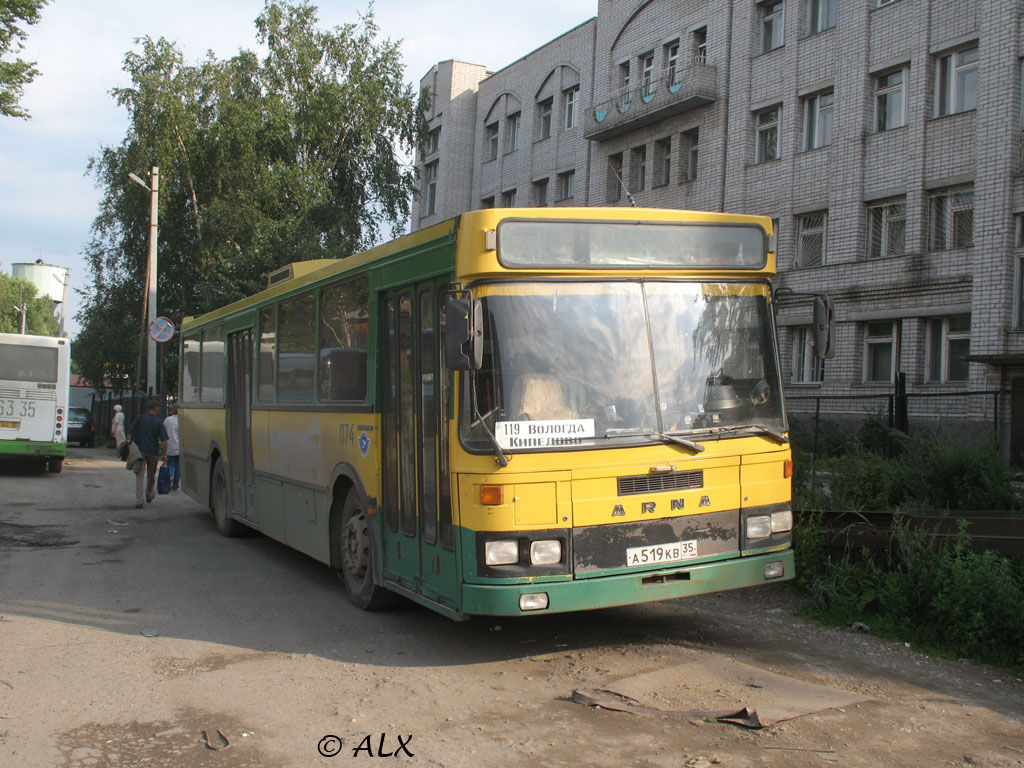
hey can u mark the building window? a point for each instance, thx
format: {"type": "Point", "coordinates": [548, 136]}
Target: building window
{"type": "Point", "coordinates": [487, 202]}
{"type": "Point", "coordinates": [949, 342]}
{"type": "Point", "coordinates": [952, 219]}
{"type": "Point", "coordinates": [689, 140]}
{"type": "Point", "coordinates": [540, 192]}
{"type": "Point", "coordinates": [545, 118]}
{"type": "Point", "coordinates": [647, 75]}
{"type": "Point", "coordinates": [956, 81]}
{"type": "Point", "coordinates": [1019, 220]}
{"type": "Point", "coordinates": [808, 368]}
{"type": "Point", "coordinates": [570, 107]}
{"type": "Point", "coordinates": [508, 198]}
{"type": "Point", "coordinates": [663, 160]}
{"type": "Point", "coordinates": [567, 185]}
{"type": "Point", "coordinates": [622, 94]}
{"type": "Point", "coordinates": [431, 180]}
{"type": "Point", "coordinates": [768, 135]}
{"type": "Point", "coordinates": [772, 26]}
{"type": "Point", "coordinates": [512, 132]}
{"type": "Point", "coordinates": [890, 100]}
{"type": "Point", "coordinates": [433, 141]}
{"type": "Point", "coordinates": [614, 185]}
{"type": "Point", "coordinates": [699, 39]}
{"type": "Point", "coordinates": [821, 15]}
{"type": "Point", "coordinates": [672, 62]}
{"type": "Point", "coordinates": [818, 120]}
{"type": "Point", "coordinates": [811, 243]}
{"type": "Point", "coordinates": [882, 3]}
{"type": "Point", "coordinates": [887, 228]}
{"type": "Point", "coordinates": [879, 352]}
{"type": "Point", "coordinates": [638, 169]}
{"type": "Point", "coordinates": [491, 142]}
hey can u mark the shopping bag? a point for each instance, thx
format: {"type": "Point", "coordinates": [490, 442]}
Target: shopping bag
{"type": "Point", "coordinates": [163, 480]}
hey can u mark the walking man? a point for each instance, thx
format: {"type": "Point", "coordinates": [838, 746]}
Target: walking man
{"type": "Point", "coordinates": [149, 435]}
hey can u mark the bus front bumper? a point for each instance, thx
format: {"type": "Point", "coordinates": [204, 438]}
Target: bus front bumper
{"type": "Point", "coordinates": [628, 589]}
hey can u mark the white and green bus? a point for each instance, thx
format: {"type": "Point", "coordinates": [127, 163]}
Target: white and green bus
{"type": "Point", "coordinates": [35, 374]}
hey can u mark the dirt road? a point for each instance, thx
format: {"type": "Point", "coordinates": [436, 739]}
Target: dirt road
{"type": "Point", "coordinates": [142, 638]}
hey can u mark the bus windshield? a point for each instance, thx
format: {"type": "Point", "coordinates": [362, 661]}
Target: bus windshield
{"type": "Point", "coordinates": [588, 364]}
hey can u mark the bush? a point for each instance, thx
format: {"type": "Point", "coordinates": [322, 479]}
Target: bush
{"type": "Point", "coordinates": [940, 595]}
{"type": "Point", "coordinates": [885, 469]}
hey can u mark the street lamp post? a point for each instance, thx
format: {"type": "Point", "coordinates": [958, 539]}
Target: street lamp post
{"type": "Point", "coordinates": [153, 187]}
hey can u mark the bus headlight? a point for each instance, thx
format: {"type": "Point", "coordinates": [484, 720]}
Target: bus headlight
{"type": "Point", "coordinates": [501, 552]}
{"type": "Point", "coordinates": [759, 526]}
{"type": "Point", "coordinates": [782, 521]}
{"type": "Point", "coordinates": [546, 552]}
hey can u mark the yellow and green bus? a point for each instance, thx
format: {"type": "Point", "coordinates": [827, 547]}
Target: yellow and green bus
{"type": "Point", "coordinates": [515, 411]}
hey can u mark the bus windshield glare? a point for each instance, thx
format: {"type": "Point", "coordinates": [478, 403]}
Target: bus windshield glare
{"type": "Point", "coordinates": [589, 364]}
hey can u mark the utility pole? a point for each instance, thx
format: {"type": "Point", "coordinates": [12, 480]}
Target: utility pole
{"type": "Point", "coordinates": [150, 301]}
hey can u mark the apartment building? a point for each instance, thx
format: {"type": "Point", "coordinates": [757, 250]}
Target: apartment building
{"type": "Point", "coordinates": [884, 137]}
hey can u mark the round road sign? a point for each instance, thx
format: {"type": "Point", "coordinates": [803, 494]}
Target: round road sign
{"type": "Point", "coordinates": [161, 329]}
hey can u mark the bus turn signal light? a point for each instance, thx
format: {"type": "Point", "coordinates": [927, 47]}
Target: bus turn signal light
{"type": "Point", "coordinates": [787, 468]}
{"type": "Point", "coordinates": [491, 495]}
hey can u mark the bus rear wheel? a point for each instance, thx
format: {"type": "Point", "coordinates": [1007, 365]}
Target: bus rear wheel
{"type": "Point", "coordinates": [220, 504]}
{"type": "Point", "coordinates": [359, 557]}
{"type": "Point", "coordinates": [54, 464]}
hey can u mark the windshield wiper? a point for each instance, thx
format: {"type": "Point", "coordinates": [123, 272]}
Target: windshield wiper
{"type": "Point", "coordinates": [667, 437]}
{"type": "Point", "coordinates": [760, 429]}
{"type": "Point", "coordinates": [499, 454]}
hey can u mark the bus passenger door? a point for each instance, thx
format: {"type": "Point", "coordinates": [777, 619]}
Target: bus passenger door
{"type": "Point", "coordinates": [417, 525]}
{"type": "Point", "coordinates": [239, 415]}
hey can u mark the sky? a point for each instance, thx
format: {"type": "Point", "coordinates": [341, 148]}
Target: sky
{"type": "Point", "coordinates": [48, 202]}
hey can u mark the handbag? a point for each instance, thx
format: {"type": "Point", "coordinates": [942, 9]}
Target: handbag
{"type": "Point", "coordinates": [163, 480]}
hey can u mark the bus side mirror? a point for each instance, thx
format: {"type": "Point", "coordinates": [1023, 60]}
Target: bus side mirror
{"type": "Point", "coordinates": [464, 331]}
{"type": "Point", "coordinates": [823, 328]}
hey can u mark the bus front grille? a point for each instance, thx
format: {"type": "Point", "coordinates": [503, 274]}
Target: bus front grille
{"type": "Point", "coordinates": [676, 481]}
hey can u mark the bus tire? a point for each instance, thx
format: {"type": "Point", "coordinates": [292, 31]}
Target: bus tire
{"type": "Point", "coordinates": [359, 558]}
{"type": "Point", "coordinates": [54, 464]}
{"type": "Point", "coordinates": [220, 505]}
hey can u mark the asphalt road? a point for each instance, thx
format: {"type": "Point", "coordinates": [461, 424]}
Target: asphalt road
{"type": "Point", "coordinates": [142, 638]}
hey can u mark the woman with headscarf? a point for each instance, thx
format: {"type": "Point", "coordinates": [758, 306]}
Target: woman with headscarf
{"type": "Point", "coordinates": [117, 426]}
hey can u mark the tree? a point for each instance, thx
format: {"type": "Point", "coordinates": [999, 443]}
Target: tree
{"type": "Point", "coordinates": [263, 161]}
{"type": "Point", "coordinates": [16, 293]}
{"type": "Point", "coordinates": [15, 75]}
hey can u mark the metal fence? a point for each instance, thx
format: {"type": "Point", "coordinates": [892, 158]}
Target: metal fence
{"type": "Point", "coordinates": [132, 404]}
{"type": "Point", "coordinates": [973, 416]}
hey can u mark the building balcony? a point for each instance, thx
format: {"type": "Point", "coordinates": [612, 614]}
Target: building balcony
{"type": "Point", "coordinates": [678, 89]}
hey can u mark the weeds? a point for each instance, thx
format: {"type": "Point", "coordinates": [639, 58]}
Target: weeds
{"type": "Point", "coordinates": [941, 596]}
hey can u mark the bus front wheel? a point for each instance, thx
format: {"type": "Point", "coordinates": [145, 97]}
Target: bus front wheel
{"type": "Point", "coordinates": [359, 557]}
{"type": "Point", "coordinates": [220, 504]}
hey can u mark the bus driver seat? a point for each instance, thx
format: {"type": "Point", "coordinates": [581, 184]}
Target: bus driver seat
{"type": "Point", "coordinates": [538, 397]}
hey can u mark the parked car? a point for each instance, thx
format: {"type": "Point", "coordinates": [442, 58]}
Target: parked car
{"type": "Point", "coordinates": [81, 428]}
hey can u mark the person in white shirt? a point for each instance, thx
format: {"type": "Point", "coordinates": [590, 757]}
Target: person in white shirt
{"type": "Point", "coordinates": [117, 427]}
{"type": "Point", "coordinates": [173, 448]}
